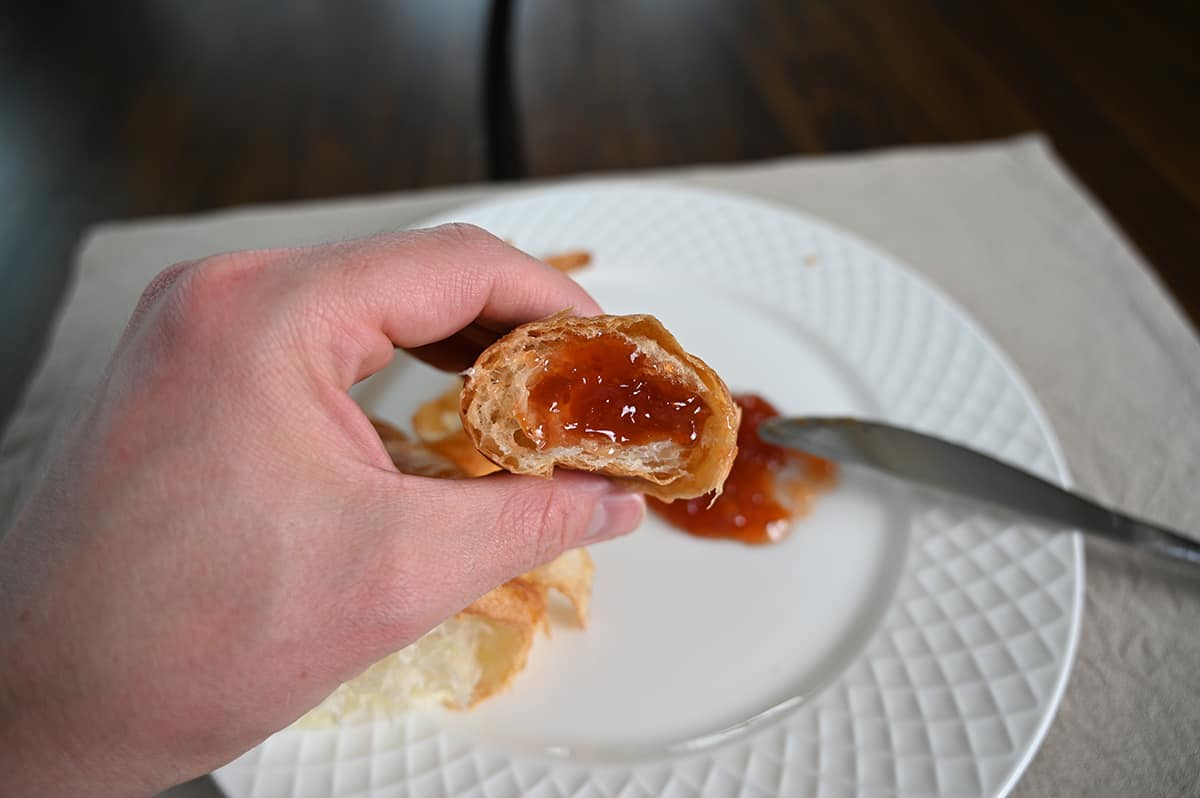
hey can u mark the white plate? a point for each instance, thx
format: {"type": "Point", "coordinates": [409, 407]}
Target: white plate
{"type": "Point", "coordinates": [896, 643]}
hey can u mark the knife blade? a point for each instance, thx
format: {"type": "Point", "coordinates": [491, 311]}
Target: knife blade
{"type": "Point", "coordinates": [935, 462]}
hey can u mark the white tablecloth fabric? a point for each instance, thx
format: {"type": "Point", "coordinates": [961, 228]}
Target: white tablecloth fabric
{"type": "Point", "coordinates": [1010, 235]}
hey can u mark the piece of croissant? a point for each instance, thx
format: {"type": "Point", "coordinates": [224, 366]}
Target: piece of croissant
{"type": "Point", "coordinates": [616, 395]}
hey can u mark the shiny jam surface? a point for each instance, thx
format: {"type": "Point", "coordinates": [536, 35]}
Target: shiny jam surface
{"type": "Point", "coordinates": [750, 508]}
{"type": "Point", "coordinates": [602, 388]}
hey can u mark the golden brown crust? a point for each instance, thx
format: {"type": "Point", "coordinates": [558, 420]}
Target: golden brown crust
{"type": "Point", "coordinates": [571, 575]}
{"type": "Point", "coordinates": [496, 395]}
{"type": "Point", "coordinates": [438, 426]}
{"type": "Point", "coordinates": [515, 609]}
{"type": "Point", "coordinates": [569, 261]}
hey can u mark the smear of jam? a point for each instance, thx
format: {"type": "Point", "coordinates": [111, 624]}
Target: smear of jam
{"type": "Point", "coordinates": [603, 389]}
{"type": "Point", "coordinates": [752, 507]}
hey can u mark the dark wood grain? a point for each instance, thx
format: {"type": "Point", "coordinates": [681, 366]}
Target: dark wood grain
{"type": "Point", "coordinates": [168, 106]}
{"type": "Point", "coordinates": [506, 153]}
{"type": "Point", "coordinates": [629, 85]}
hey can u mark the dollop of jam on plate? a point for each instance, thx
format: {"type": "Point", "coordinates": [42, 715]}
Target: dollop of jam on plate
{"type": "Point", "coordinates": [767, 487]}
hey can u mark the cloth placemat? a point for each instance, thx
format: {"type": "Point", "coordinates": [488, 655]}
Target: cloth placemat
{"type": "Point", "coordinates": [1010, 235]}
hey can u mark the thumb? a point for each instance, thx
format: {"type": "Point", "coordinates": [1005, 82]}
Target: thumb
{"type": "Point", "coordinates": [458, 539]}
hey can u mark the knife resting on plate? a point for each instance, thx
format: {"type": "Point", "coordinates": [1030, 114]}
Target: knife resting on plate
{"type": "Point", "coordinates": [938, 463]}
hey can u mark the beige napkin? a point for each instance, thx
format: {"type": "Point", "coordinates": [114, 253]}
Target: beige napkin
{"type": "Point", "coordinates": [1012, 237]}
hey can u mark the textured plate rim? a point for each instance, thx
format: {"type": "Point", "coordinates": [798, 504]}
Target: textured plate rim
{"type": "Point", "coordinates": [682, 188]}
{"type": "Point", "coordinates": [677, 187]}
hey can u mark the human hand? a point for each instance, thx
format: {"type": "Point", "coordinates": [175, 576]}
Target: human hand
{"type": "Point", "coordinates": [223, 539]}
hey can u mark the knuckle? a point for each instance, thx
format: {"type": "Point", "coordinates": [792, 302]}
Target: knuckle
{"type": "Point", "coordinates": [199, 299]}
{"type": "Point", "coordinates": [157, 292]}
{"type": "Point", "coordinates": [544, 516]}
{"type": "Point", "coordinates": [465, 234]}
{"type": "Point", "coordinates": [161, 283]}
{"type": "Point", "coordinates": [220, 276]}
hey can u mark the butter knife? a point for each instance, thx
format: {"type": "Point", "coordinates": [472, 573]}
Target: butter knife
{"type": "Point", "coordinates": [938, 463]}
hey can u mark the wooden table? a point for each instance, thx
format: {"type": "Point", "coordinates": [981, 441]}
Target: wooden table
{"type": "Point", "coordinates": [165, 106]}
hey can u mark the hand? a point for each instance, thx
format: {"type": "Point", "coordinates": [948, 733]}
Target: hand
{"type": "Point", "coordinates": [223, 540]}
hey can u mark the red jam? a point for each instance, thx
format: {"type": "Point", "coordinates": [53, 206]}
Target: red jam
{"type": "Point", "coordinates": [751, 508]}
{"type": "Point", "coordinates": [603, 389]}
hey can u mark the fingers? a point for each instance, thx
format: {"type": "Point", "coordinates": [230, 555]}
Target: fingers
{"type": "Point", "coordinates": [417, 288]}
{"type": "Point", "coordinates": [451, 541]}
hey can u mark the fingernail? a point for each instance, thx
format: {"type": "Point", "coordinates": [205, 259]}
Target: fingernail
{"type": "Point", "coordinates": [615, 514]}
